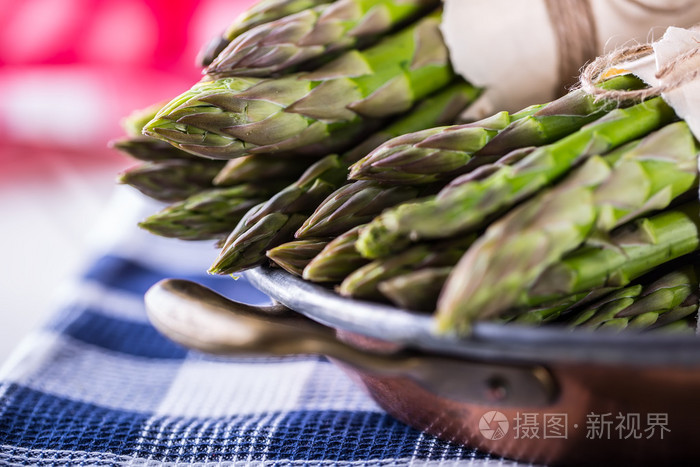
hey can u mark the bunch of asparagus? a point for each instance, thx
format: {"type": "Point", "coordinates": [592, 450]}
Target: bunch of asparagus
{"type": "Point", "coordinates": [322, 139]}
{"type": "Point", "coordinates": [232, 142]}
{"type": "Point", "coordinates": [536, 233]}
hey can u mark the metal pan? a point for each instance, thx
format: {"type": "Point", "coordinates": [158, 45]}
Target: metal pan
{"type": "Point", "coordinates": [544, 395]}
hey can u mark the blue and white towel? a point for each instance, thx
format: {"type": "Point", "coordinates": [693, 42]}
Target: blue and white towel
{"type": "Point", "coordinates": [98, 385]}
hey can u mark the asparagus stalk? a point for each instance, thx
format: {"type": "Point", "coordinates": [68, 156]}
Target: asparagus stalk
{"type": "Point", "coordinates": [601, 195]}
{"type": "Point", "coordinates": [428, 155]}
{"type": "Point", "coordinates": [463, 207]}
{"type": "Point", "coordinates": [552, 311]}
{"type": "Point", "coordinates": [337, 259]}
{"type": "Point", "coordinates": [210, 214]}
{"type": "Point", "coordinates": [417, 290]}
{"type": "Point", "coordinates": [440, 108]}
{"type": "Point", "coordinates": [245, 247]}
{"type": "Point", "coordinates": [363, 283]}
{"type": "Point", "coordinates": [145, 148]}
{"type": "Point", "coordinates": [351, 205]}
{"type": "Point", "coordinates": [274, 221]}
{"type": "Point", "coordinates": [672, 297]}
{"type": "Point", "coordinates": [294, 256]}
{"type": "Point", "coordinates": [308, 113]}
{"type": "Point", "coordinates": [445, 152]}
{"type": "Point", "coordinates": [302, 197]}
{"type": "Point", "coordinates": [142, 147]}
{"type": "Point", "coordinates": [632, 250]}
{"type": "Point", "coordinates": [313, 33]}
{"type": "Point", "coordinates": [263, 11]}
{"type": "Point", "coordinates": [257, 168]}
{"type": "Point", "coordinates": [171, 180]}
{"type": "Point", "coordinates": [682, 326]}
{"type": "Point", "coordinates": [134, 122]}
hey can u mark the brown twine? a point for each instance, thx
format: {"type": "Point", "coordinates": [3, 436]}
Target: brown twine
{"type": "Point", "coordinates": [576, 36]}
{"type": "Point", "coordinates": [673, 73]}
{"type": "Point", "coordinates": [575, 30]}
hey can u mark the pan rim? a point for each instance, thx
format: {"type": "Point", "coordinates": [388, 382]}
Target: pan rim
{"type": "Point", "coordinates": [489, 341]}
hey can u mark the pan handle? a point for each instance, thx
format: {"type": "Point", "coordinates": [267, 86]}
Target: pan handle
{"type": "Point", "coordinates": [199, 318]}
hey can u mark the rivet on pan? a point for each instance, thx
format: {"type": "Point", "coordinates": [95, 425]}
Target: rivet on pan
{"type": "Point", "coordinates": [496, 388]}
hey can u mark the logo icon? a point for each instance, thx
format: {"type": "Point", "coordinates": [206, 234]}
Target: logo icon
{"type": "Point", "coordinates": [493, 425]}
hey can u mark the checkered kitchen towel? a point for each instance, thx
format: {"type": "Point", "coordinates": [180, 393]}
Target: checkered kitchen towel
{"type": "Point", "coordinates": [99, 386]}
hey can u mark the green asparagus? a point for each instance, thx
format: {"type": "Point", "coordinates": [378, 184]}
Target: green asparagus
{"type": "Point", "coordinates": [363, 282]}
{"type": "Point", "coordinates": [294, 256]}
{"type": "Point", "coordinates": [351, 205]}
{"type": "Point", "coordinates": [171, 180]}
{"type": "Point", "coordinates": [264, 224]}
{"type": "Point", "coordinates": [429, 155]}
{"type": "Point", "coordinates": [263, 11]}
{"type": "Point", "coordinates": [552, 311]}
{"type": "Point", "coordinates": [210, 214]}
{"type": "Point", "coordinates": [303, 196]}
{"type": "Point", "coordinates": [440, 153]}
{"type": "Point", "coordinates": [258, 168]}
{"type": "Point", "coordinates": [338, 259]}
{"type": "Point", "coordinates": [417, 290]}
{"type": "Point", "coordinates": [601, 195]}
{"type": "Point", "coordinates": [462, 207]}
{"type": "Point", "coordinates": [309, 113]}
{"type": "Point", "coordinates": [672, 297]}
{"type": "Point", "coordinates": [134, 122]}
{"type": "Point", "coordinates": [245, 247]}
{"type": "Point", "coordinates": [313, 33]}
{"type": "Point", "coordinates": [631, 251]}
{"type": "Point", "coordinates": [145, 148]}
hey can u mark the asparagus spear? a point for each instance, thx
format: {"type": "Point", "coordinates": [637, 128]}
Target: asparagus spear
{"type": "Point", "coordinates": [632, 250]}
{"type": "Point", "coordinates": [440, 153]}
{"type": "Point", "coordinates": [258, 168]}
{"type": "Point", "coordinates": [171, 180]}
{"type": "Point", "coordinates": [417, 290]}
{"type": "Point", "coordinates": [143, 147]}
{"type": "Point", "coordinates": [134, 122]}
{"type": "Point", "coordinates": [210, 214]}
{"type": "Point", "coordinates": [682, 326]}
{"type": "Point", "coordinates": [351, 205]}
{"type": "Point", "coordinates": [338, 259]}
{"type": "Point", "coordinates": [274, 221]}
{"type": "Point", "coordinates": [263, 11]}
{"type": "Point", "coordinates": [552, 311]}
{"type": "Point", "coordinates": [429, 155]}
{"type": "Point", "coordinates": [302, 197]}
{"type": "Point", "coordinates": [294, 256]}
{"type": "Point", "coordinates": [364, 281]}
{"type": "Point", "coordinates": [313, 33]}
{"type": "Point", "coordinates": [308, 113]}
{"type": "Point", "coordinates": [672, 297]}
{"type": "Point", "coordinates": [601, 195]}
{"type": "Point", "coordinates": [462, 207]}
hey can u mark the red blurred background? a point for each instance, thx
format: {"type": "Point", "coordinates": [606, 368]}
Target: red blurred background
{"type": "Point", "coordinates": [71, 69]}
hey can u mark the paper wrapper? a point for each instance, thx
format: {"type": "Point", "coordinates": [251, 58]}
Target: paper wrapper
{"type": "Point", "coordinates": [685, 99]}
{"type": "Point", "coordinates": [674, 49]}
{"type": "Point", "coordinates": [529, 51]}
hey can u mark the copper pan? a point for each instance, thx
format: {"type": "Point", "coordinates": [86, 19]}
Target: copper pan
{"type": "Point", "coordinates": [543, 395]}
